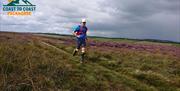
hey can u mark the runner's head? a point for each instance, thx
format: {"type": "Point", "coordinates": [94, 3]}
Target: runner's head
{"type": "Point", "coordinates": [83, 22]}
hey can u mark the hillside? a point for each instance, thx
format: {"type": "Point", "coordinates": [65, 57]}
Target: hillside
{"type": "Point", "coordinates": [41, 62]}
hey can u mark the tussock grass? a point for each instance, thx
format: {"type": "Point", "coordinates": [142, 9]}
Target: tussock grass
{"type": "Point", "coordinates": [37, 65]}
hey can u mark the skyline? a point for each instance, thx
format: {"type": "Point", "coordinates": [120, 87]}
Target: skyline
{"type": "Point", "coordinates": [140, 19]}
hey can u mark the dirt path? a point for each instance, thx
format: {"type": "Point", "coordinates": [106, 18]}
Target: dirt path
{"type": "Point", "coordinates": [57, 48]}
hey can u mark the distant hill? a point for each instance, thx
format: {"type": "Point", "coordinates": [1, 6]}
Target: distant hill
{"type": "Point", "coordinates": [150, 40]}
{"type": "Point", "coordinates": [44, 62]}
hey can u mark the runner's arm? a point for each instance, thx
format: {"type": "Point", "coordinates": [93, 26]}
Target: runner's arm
{"type": "Point", "coordinates": [75, 33]}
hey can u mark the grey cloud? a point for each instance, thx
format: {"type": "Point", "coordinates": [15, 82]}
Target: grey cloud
{"type": "Point", "coordinates": [143, 19]}
{"type": "Point", "coordinates": [159, 19]}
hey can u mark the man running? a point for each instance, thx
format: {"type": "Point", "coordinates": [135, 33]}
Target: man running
{"type": "Point", "coordinates": [81, 36]}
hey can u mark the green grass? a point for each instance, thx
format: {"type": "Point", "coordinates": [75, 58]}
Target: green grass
{"type": "Point", "coordinates": [35, 66]}
{"type": "Point", "coordinates": [123, 40]}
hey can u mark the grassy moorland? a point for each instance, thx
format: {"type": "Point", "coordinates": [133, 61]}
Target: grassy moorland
{"type": "Point", "coordinates": [40, 62]}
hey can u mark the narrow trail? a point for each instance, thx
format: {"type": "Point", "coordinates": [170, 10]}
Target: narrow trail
{"type": "Point", "coordinates": [57, 48]}
{"type": "Point", "coordinates": [70, 56]}
{"type": "Point", "coordinates": [102, 67]}
{"type": "Point", "coordinates": [123, 77]}
{"type": "Point", "coordinates": [52, 61]}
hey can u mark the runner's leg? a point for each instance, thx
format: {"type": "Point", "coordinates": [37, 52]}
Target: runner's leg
{"type": "Point", "coordinates": [83, 50]}
{"type": "Point", "coordinates": [78, 45]}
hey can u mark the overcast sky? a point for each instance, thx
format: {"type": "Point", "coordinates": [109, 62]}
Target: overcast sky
{"type": "Point", "coordinates": [142, 19]}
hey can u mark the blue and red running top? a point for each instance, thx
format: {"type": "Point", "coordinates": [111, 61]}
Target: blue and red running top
{"type": "Point", "coordinates": [81, 31]}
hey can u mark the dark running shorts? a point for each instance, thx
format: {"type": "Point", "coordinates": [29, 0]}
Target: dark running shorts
{"type": "Point", "coordinates": [81, 42]}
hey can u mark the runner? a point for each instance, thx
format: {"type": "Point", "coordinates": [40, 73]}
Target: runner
{"type": "Point", "coordinates": [81, 35]}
